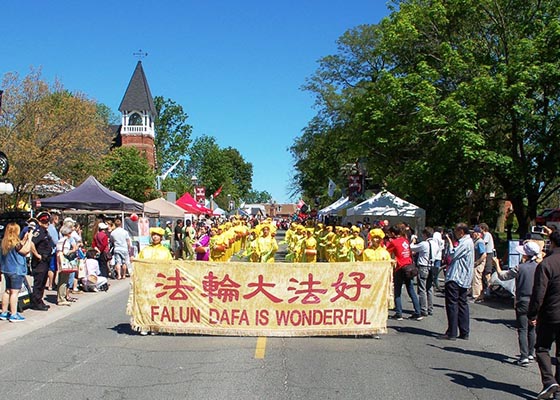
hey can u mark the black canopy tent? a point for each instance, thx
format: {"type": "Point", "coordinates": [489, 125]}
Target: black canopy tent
{"type": "Point", "coordinates": [92, 195]}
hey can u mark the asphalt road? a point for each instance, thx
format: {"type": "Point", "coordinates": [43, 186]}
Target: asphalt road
{"type": "Point", "coordinates": [88, 351]}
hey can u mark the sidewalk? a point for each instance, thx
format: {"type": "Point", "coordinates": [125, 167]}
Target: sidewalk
{"type": "Point", "coordinates": [38, 319]}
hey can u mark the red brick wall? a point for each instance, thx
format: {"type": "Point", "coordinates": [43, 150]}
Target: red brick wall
{"type": "Point", "coordinates": [144, 144]}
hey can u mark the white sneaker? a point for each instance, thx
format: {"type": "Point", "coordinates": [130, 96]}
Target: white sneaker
{"type": "Point", "coordinates": [143, 333]}
{"type": "Point", "coordinates": [548, 391]}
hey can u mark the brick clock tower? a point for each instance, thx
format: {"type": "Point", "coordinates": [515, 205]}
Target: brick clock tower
{"type": "Point", "coordinates": [138, 115]}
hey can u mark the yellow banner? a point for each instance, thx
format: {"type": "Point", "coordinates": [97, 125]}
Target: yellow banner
{"type": "Point", "coordinates": [251, 299]}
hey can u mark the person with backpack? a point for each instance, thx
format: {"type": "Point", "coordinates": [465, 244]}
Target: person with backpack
{"type": "Point", "coordinates": [425, 250]}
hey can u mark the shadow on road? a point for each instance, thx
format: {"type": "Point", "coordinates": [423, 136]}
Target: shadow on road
{"type": "Point", "coordinates": [477, 381]}
{"type": "Point", "coordinates": [414, 331]}
{"type": "Point", "coordinates": [510, 323]}
{"type": "Point", "coordinates": [482, 354]}
{"type": "Point", "coordinates": [123, 329]}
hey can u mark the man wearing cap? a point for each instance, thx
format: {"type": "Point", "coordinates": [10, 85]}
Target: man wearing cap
{"type": "Point", "coordinates": [544, 312]}
{"type": "Point", "coordinates": [41, 248]}
{"type": "Point", "coordinates": [523, 274]}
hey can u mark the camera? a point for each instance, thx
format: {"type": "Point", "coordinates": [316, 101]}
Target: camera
{"type": "Point", "coordinates": [537, 229]}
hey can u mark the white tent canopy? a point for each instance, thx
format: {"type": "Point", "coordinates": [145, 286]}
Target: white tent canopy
{"type": "Point", "coordinates": [385, 205]}
{"type": "Point", "coordinates": [340, 204]}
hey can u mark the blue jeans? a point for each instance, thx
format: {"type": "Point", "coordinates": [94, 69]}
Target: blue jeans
{"type": "Point", "coordinates": [398, 280]}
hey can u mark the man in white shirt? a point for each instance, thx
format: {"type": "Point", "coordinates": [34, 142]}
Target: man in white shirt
{"type": "Point", "coordinates": [121, 243]}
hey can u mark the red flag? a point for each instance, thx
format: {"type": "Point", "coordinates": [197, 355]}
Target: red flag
{"type": "Point", "coordinates": [218, 192]}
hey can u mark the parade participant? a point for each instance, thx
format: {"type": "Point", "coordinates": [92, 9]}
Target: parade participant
{"type": "Point", "coordinates": [356, 244]}
{"type": "Point", "coordinates": [189, 238]}
{"type": "Point", "coordinates": [544, 313]}
{"type": "Point", "coordinates": [202, 244]}
{"type": "Point", "coordinates": [342, 248]}
{"type": "Point", "coordinates": [331, 240]}
{"type": "Point", "coordinates": [41, 248]}
{"type": "Point", "coordinates": [155, 250]}
{"type": "Point", "coordinates": [376, 252]}
{"type": "Point", "coordinates": [309, 253]}
{"type": "Point", "coordinates": [400, 248]}
{"type": "Point", "coordinates": [523, 274]}
{"type": "Point", "coordinates": [458, 280]}
{"type": "Point", "coordinates": [266, 246]}
{"type": "Point", "coordinates": [14, 268]}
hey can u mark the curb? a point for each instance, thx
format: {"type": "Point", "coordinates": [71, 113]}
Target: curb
{"type": "Point", "coordinates": [39, 319]}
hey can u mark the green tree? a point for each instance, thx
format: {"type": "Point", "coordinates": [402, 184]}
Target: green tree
{"type": "Point", "coordinates": [129, 173]}
{"type": "Point", "coordinates": [255, 197]}
{"type": "Point", "coordinates": [446, 98]}
{"type": "Point", "coordinates": [172, 143]}
{"type": "Point", "coordinates": [220, 168]}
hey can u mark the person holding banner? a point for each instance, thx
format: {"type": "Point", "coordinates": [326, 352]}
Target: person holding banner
{"type": "Point", "coordinates": [156, 250]}
{"type": "Point", "coordinates": [376, 252]}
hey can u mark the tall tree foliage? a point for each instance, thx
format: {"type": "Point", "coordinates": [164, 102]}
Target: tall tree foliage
{"type": "Point", "coordinates": [44, 128]}
{"type": "Point", "coordinates": [446, 98]}
{"type": "Point", "coordinates": [217, 168]}
{"type": "Point", "coordinates": [128, 172]}
{"type": "Point", "coordinates": [172, 143]}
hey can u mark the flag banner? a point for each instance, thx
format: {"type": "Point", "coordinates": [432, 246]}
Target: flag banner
{"type": "Point", "coordinates": [331, 188]}
{"type": "Point", "coordinates": [217, 192]}
{"type": "Point", "coordinates": [249, 299]}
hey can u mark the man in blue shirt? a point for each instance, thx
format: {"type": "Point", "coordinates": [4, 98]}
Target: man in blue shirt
{"type": "Point", "coordinates": [458, 280]}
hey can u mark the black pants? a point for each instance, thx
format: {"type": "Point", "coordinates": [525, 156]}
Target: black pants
{"type": "Point", "coordinates": [40, 274]}
{"type": "Point", "coordinates": [546, 335]}
{"type": "Point", "coordinates": [457, 309]}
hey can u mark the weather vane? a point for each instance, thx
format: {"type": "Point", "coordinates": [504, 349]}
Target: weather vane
{"type": "Point", "coordinates": [140, 54]}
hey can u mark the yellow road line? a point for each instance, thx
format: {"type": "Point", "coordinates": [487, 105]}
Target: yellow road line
{"type": "Point", "coordinates": [261, 347]}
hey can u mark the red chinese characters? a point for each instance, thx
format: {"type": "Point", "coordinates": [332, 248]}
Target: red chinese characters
{"type": "Point", "coordinates": [225, 290]}
{"type": "Point", "coordinates": [179, 290]}
{"type": "Point", "coordinates": [308, 289]}
{"type": "Point", "coordinates": [342, 287]}
{"type": "Point", "coordinates": [260, 288]}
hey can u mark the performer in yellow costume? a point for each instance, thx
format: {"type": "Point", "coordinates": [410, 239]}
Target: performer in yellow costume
{"type": "Point", "coordinates": [309, 253]}
{"type": "Point", "coordinates": [356, 245]}
{"type": "Point", "coordinates": [267, 246]}
{"type": "Point", "coordinates": [331, 244]}
{"type": "Point", "coordinates": [376, 252]}
{"type": "Point", "coordinates": [342, 248]}
{"type": "Point", "coordinates": [155, 250]}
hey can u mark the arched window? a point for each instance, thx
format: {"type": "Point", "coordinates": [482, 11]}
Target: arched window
{"type": "Point", "coordinates": [135, 119]}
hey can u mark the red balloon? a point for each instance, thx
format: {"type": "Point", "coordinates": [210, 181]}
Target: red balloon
{"type": "Point", "coordinates": [133, 217]}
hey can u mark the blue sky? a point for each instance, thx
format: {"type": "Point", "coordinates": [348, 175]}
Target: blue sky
{"type": "Point", "coordinates": [236, 67]}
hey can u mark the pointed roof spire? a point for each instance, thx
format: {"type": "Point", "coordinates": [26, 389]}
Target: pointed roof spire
{"type": "Point", "coordinates": [138, 95]}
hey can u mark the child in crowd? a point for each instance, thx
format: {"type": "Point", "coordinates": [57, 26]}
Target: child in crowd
{"type": "Point", "coordinates": [93, 280]}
